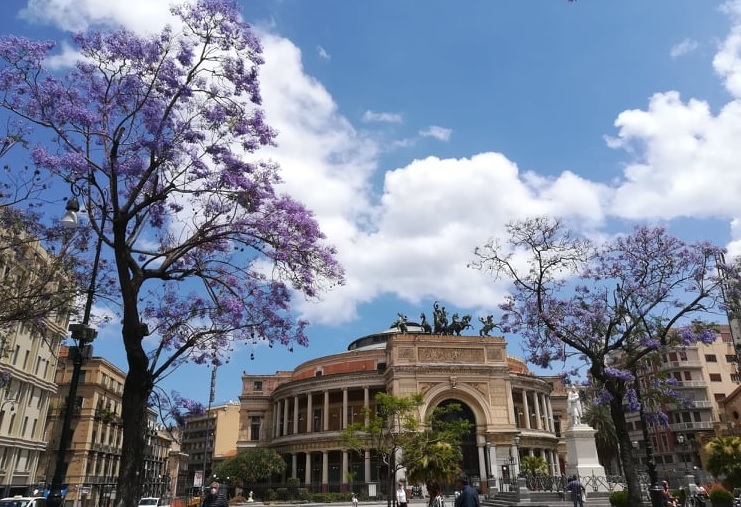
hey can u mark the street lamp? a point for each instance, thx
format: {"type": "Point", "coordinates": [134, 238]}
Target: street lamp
{"type": "Point", "coordinates": [517, 457]}
{"type": "Point", "coordinates": [82, 335]}
{"type": "Point", "coordinates": [681, 441]}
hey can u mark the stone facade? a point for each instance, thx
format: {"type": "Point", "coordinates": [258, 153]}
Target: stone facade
{"type": "Point", "coordinates": [301, 413]}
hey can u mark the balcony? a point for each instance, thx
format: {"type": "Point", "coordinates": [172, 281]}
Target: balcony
{"type": "Point", "coordinates": [695, 404]}
{"type": "Point", "coordinates": [680, 365]}
{"type": "Point", "coordinates": [690, 383]}
{"type": "Point", "coordinates": [701, 425]}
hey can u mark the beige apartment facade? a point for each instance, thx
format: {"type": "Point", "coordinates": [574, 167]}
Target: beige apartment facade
{"type": "Point", "coordinates": [97, 430]}
{"type": "Point", "coordinates": [300, 413]}
{"type": "Point", "coordinates": [705, 376]}
{"type": "Point", "coordinates": [27, 369]}
{"type": "Point", "coordinates": [205, 440]}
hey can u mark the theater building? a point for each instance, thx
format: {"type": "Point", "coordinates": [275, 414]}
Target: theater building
{"type": "Point", "coordinates": [300, 413]}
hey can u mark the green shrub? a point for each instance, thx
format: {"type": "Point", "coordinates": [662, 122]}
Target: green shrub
{"type": "Point", "coordinates": [282, 494]}
{"type": "Point", "coordinates": [619, 499]}
{"type": "Point", "coordinates": [720, 495]}
{"type": "Point", "coordinates": [293, 484]}
{"type": "Point", "coordinates": [303, 494]}
{"type": "Point", "coordinates": [237, 500]}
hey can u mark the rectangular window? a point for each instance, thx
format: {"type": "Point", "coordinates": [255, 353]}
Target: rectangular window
{"type": "Point", "coordinates": [719, 396]}
{"type": "Point", "coordinates": [257, 386]}
{"type": "Point", "coordinates": [730, 358]}
{"type": "Point", "coordinates": [711, 358]}
{"type": "Point", "coordinates": [735, 377]}
{"type": "Point", "coordinates": [682, 355]}
{"type": "Point", "coordinates": [25, 359]}
{"type": "Point", "coordinates": [33, 428]}
{"type": "Point", "coordinates": [715, 377]}
{"type": "Point", "coordinates": [256, 423]}
{"type": "Point", "coordinates": [15, 354]}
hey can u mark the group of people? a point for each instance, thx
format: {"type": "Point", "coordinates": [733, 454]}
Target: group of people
{"type": "Point", "coordinates": [466, 495]}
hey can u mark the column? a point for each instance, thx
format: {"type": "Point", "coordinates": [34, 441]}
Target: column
{"type": "Point", "coordinates": [526, 406]}
{"type": "Point", "coordinates": [309, 414]}
{"type": "Point", "coordinates": [538, 422]}
{"type": "Point", "coordinates": [367, 466]}
{"type": "Point", "coordinates": [325, 470]}
{"type": "Point", "coordinates": [482, 462]}
{"type": "Point", "coordinates": [307, 470]}
{"type": "Point", "coordinates": [551, 421]}
{"type": "Point", "coordinates": [345, 462]}
{"type": "Point", "coordinates": [285, 416]}
{"type": "Point", "coordinates": [516, 465]}
{"type": "Point", "coordinates": [325, 424]}
{"type": "Point", "coordinates": [344, 408]}
{"type": "Point", "coordinates": [366, 404]}
{"type": "Point", "coordinates": [276, 418]}
{"type": "Point", "coordinates": [492, 461]}
{"type": "Point", "coordinates": [295, 415]}
{"type": "Point", "coordinates": [294, 464]}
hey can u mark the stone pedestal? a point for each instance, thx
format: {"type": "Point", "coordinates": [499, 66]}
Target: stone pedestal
{"type": "Point", "coordinates": [581, 455]}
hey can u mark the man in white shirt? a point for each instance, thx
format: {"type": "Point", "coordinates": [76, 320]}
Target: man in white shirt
{"type": "Point", "coordinates": [401, 496]}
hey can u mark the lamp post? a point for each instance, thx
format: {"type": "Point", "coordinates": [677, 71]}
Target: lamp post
{"type": "Point", "coordinates": [82, 335]}
{"type": "Point", "coordinates": [654, 490]}
{"type": "Point", "coordinates": [681, 441]}
{"type": "Point", "coordinates": [517, 456]}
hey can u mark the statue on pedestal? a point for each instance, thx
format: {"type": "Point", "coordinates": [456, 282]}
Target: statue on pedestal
{"type": "Point", "coordinates": [574, 406]}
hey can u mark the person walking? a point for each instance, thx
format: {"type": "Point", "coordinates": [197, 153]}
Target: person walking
{"type": "Point", "coordinates": [401, 495]}
{"type": "Point", "coordinates": [468, 496]}
{"type": "Point", "coordinates": [354, 500]}
{"type": "Point", "coordinates": [213, 498]}
{"type": "Point", "coordinates": [577, 491]}
{"type": "Point", "coordinates": [436, 498]}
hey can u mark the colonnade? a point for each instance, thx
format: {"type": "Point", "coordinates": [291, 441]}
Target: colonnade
{"type": "Point", "coordinates": [540, 418]}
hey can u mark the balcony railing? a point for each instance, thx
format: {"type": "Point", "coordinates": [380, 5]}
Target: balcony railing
{"type": "Point", "coordinates": [686, 365]}
{"type": "Point", "coordinates": [702, 425]}
{"type": "Point", "coordinates": [690, 383]}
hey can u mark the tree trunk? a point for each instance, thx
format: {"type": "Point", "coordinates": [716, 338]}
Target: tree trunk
{"type": "Point", "coordinates": [626, 450]}
{"type": "Point", "coordinates": [138, 385]}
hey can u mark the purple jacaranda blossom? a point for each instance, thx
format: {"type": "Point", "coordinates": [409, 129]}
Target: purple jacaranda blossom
{"type": "Point", "coordinates": [159, 135]}
{"type": "Point", "coordinates": [614, 309]}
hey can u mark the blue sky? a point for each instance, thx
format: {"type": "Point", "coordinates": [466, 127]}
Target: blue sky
{"type": "Point", "coordinates": [417, 129]}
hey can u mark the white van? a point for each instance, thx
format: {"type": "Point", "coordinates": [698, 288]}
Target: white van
{"type": "Point", "coordinates": [23, 501]}
{"type": "Point", "coordinates": [150, 501]}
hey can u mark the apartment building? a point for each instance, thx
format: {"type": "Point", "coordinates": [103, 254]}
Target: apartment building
{"type": "Point", "coordinates": [97, 431]}
{"type": "Point", "coordinates": [27, 368]}
{"type": "Point", "coordinates": [207, 439]}
{"type": "Point", "coordinates": [705, 376]}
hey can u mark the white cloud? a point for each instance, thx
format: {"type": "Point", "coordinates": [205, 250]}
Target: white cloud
{"type": "Point", "coordinates": [684, 47]}
{"type": "Point", "coordinates": [371, 116]}
{"type": "Point", "coordinates": [76, 15]}
{"type": "Point", "coordinates": [439, 133]}
{"type": "Point", "coordinates": [323, 53]}
{"type": "Point", "coordinates": [414, 237]}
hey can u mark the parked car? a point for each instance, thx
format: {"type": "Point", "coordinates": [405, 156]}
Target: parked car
{"type": "Point", "coordinates": [23, 501]}
{"type": "Point", "coordinates": [149, 501]}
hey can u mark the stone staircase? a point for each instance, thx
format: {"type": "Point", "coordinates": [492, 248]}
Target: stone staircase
{"type": "Point", "coordinates": [543, 499]}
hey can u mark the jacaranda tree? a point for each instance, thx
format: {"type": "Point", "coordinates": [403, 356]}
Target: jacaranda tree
{"type": "Point", "coordinates": [615, 306]}
{"type": "Point", "coordinates": [157, 135]}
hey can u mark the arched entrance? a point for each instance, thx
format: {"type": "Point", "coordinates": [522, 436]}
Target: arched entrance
{"type": "Point", "coordinates": [470, 463]}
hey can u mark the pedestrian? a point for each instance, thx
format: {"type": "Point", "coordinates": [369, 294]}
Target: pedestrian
{"type": "Point", "coordinates": [213, 498]}
{"type": "Point", "coordinates": [668, 500]}
{"type": "Point", "coordinates": [436, 498]}
{"type": "Point", "coordinates": [468, 496]}
{"type": "Point", "coordinates": [354, 500]}
{"type": "Point", "coordinates": [401, 495]}
{"type": "Point", "coordinates": [577, 491]}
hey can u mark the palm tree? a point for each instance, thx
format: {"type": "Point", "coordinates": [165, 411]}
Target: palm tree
{"type": "Point", "coordinates": [599, 418]}
{"type": "Point", "coordinates": [724, 460]}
